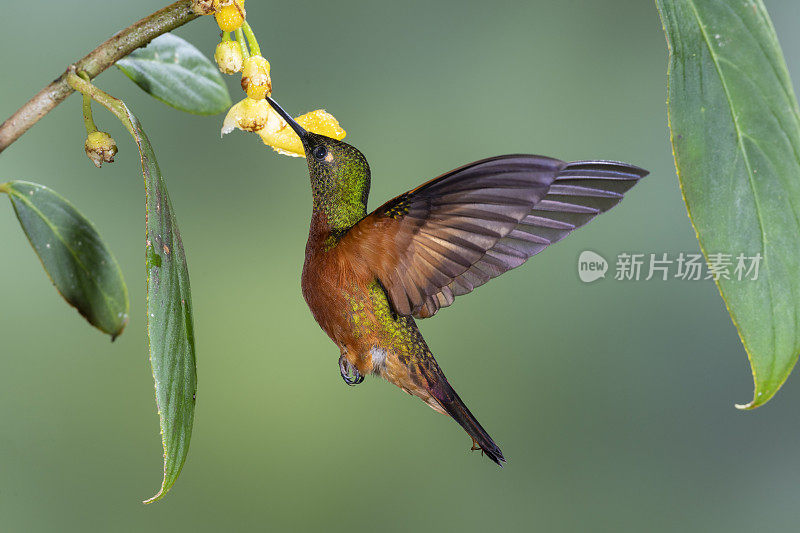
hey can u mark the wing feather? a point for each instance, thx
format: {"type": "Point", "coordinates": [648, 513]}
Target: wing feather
{"type": "Point", "coordinates": [579, 193]}
{"type": "Point", "coordinates": [458, 231]}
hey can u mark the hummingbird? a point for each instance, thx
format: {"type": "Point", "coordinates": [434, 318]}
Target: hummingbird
{"type": "Point", "coordinates": [368, 276]}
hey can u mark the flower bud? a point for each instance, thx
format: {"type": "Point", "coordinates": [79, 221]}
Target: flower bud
{"type": "Point", "coordinates": [247, 115]}
{"type": "Point", "coordinates": [100, 148]}
{"type": "Point", "coordinates": [202, 7]}
{"type": "Point", "coordinates": [228, 56]}
{"type": "Point", "coordinates": [230, 16]}
{"type": "Point", "coordinates": [255, 77]}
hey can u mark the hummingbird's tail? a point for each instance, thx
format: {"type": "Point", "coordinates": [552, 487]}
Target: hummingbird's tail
{"type": "Point", "coordinates": [447, 397]}
{"type": "Point", "coordinates": [416, 371]}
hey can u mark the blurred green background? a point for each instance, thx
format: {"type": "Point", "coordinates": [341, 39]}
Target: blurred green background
{"type": "Point", "coordinates": [612, 401]}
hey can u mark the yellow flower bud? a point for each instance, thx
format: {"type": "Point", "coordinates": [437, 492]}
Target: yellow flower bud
{"type": "Point", "coordinates": [100, 148]}
{"type": "Point", "coordinates": [231, 16]}
{"type": "Point", "coordinates": [287, 142]}
{"type": "Point", "coordinates": [247, 115]}
{"type": "Point", "coordinates": [202, 7]}
{"type": "Point", "coordinates": [228, 56]}
{"type": "Point", "coordinates": [255, 77]}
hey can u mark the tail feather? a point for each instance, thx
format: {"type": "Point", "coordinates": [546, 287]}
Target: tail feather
{"type": "Point", "coordinates": [455, 407]}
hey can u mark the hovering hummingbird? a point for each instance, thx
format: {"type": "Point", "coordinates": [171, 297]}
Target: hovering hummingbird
{"type": "Point", "coordinates": [367, 276]}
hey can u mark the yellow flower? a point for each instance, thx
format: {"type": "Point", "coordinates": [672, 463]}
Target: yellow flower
{"type": "Point", "coordinates": [248, 115]}
{"type": "Point", "coordinates": [230, 15]}
{"type": "Point", "coordinates": [255, 77]}
{"type": "Point", "coordinates": [284, 140]}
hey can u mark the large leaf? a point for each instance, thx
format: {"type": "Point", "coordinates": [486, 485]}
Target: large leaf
{"type": "Point", "coordinates": [178, 74]}
{"type": "Point", "coordinates": [170, 328]}
{"type": "Point", "coordinates": [736, 138]}
{"type": "Point", "coordinates": [77, 260]}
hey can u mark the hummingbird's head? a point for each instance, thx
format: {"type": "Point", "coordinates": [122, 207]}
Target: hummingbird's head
{"type": "Point", "coordinates": [339, 174]}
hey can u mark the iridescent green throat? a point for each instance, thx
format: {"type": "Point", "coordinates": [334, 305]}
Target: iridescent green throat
{"type": "Point", "coordinates": [339, 184]}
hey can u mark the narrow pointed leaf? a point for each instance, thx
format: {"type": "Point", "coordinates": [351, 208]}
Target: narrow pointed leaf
{"type": "Point", "coordinates": [170, 329]}
{"type": "Point", "coordinates": [73, 254]}
{"type": "Point", "coordinates": [178, 74]}
{"type": "Point", "coordinates": [736, 139]}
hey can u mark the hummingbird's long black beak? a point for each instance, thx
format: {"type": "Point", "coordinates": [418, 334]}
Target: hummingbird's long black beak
{"type": "Point", "coordinates": [288, 118]}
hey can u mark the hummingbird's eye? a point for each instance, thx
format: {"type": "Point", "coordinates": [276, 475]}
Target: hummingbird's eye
{"type": "Point", "coordinates": [320, 152]}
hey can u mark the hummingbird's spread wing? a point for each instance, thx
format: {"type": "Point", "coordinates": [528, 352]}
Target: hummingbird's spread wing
{"type": "Point", "coordinates": [458, 231]}
{"type": "Point", "coordinates": [581, 191]}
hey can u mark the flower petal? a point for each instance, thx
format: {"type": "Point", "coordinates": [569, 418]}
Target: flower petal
{"type": "Point", "coordinates": [287, 142]}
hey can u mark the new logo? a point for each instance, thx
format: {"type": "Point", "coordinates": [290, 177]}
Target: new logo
{"type": "Point", "coordinates": [591, 266]}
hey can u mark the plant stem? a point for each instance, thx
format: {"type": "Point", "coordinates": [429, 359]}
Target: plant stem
{"type": "Point", "coordinates": [98, 60]}
{"type": "Point", "coordinates": [4, 187]}
{"type": "Point", "coordinates": [88, 120]}
{"type": "Point", "coordinates": [251, 39]}
{"type": "Point", "coordinates": [242, 43]}
{"type": "Point", "coordinates": [116, 106]}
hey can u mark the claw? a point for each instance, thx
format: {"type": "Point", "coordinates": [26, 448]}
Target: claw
{"type": "Point", "coordinates": [350, 374]}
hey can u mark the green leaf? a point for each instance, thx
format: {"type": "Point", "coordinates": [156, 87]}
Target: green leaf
{"type": "Point", "coordinates": [175, 72]}
{"type": "Point", "coordinates": [73, 254]}
{"type": "Point", "coordinates": [170, 328]}
{"type": "Point", "coordinates": [735, 128]}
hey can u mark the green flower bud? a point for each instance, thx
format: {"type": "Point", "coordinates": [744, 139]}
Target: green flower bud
{"type": "Point", "coordinates": [100, 148]}
{"type": "Point", "coordinates": [228, 56]}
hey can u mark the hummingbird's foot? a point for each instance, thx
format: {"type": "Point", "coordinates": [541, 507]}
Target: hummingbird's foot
{"type": "Point", "coordinates": [350, 374]}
